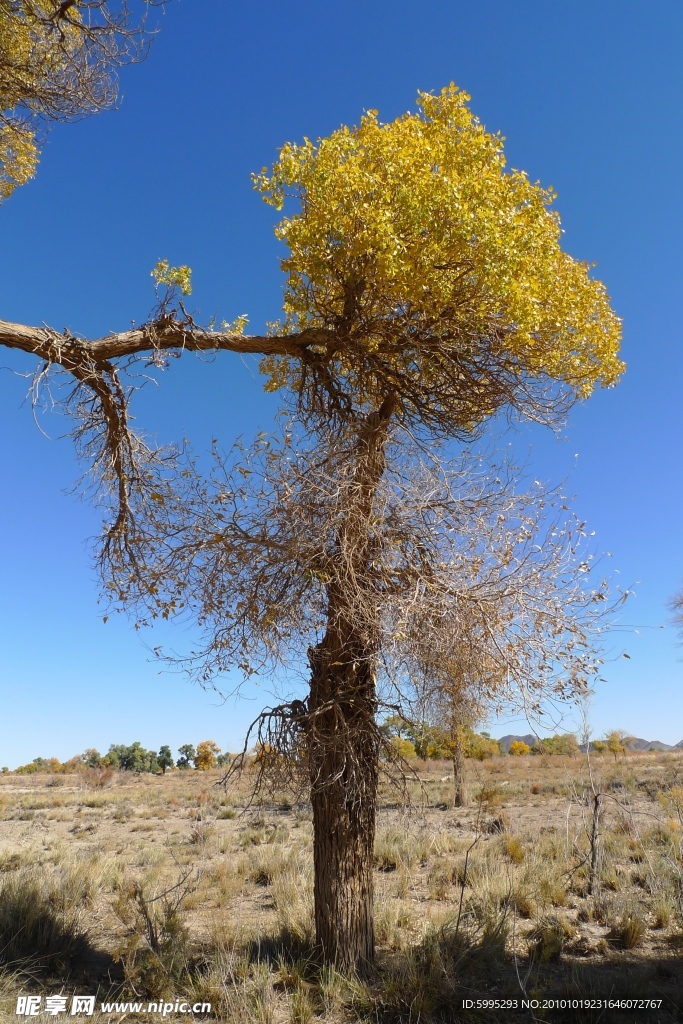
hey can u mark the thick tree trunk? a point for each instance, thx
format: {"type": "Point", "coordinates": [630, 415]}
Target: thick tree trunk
{"type": "Point", "coordinates": [343, 765]}
{"type": "Point", "coordinates": [341, 732]}
{"type": "Point", "coordinates": [459, 780]}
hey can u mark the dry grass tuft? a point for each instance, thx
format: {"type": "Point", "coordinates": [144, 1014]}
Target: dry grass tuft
{"type": "Point", "coordinates": [548, 939]}
{"type": "Point", "coordinates": [630, 931]}
{"type": "Point", "coordinates": [40, 922]}
{"type": "Point", "coordinates": [513, 849]}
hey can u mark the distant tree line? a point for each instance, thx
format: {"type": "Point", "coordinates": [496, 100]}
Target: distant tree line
{"type": "Point", "coordinates": [430, 742]}
{"type": "Point", "coordinates": [134, 758]}
{"type": "Point", "coordinates": [560, 743]}
{"type": "Point", "coordinates": [409, 739]}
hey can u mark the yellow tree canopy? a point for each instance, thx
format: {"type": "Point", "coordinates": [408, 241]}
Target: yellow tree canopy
{"type": "Point", "coordinates": [438, 274]}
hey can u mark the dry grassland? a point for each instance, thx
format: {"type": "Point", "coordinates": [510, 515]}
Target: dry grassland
{"type": "Point", "coordinates": [169, 886]}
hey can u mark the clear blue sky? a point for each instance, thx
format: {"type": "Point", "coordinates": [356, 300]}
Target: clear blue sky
{"type": "Point", "coordinates": [589, 97]}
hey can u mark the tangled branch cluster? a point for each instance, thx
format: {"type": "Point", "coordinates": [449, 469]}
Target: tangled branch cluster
{"type": "Point", "coordinates": [448, 571]}
{"type": "Point", "coordinates": [477, 376]}
{"type": "Point", "coordinates": [120, 466]}
{"type": "Point", "coordinates": [434, 573]}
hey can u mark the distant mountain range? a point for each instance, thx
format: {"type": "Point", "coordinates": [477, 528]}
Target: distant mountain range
{"type": "Point", "coordinates": [632, 742]}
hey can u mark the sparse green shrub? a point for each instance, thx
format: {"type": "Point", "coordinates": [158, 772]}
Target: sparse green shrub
{"type": "Point", "coordinates": [155, 953]}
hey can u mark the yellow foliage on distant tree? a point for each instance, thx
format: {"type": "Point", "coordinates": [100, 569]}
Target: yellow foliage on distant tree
{"type": "Point", "coordinates": [480, 746]}
{"type": "Point", "coordinates": [518, 748]}
{"type": "Point", "coordinates": [207, 752]}
{"type": "Point", "coordinates": [617, 741]}
{"type": "Point", "coordinates": [404, 748]}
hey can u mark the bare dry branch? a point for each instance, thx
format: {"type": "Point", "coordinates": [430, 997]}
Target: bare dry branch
{"type": "Point", "coordinates": [448, 573]}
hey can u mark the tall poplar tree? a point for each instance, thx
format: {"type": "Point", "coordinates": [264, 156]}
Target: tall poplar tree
{"type": "Point", "coordinates": [426, 290]}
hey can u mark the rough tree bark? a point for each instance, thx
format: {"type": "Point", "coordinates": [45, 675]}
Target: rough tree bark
{"type": "Point", "coordinates": [343, 793]}
{"type": "Point", "coordinates": [343, 739]}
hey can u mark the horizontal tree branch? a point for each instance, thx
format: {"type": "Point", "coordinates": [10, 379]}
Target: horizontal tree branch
{"type": "Point", "coordinates": [99, 401]}
{"type": "Point", "coordinates": [165, 334]}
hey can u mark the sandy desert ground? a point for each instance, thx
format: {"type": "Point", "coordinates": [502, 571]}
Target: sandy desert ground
{"type": "Point", "coordinates": [173, 886]}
